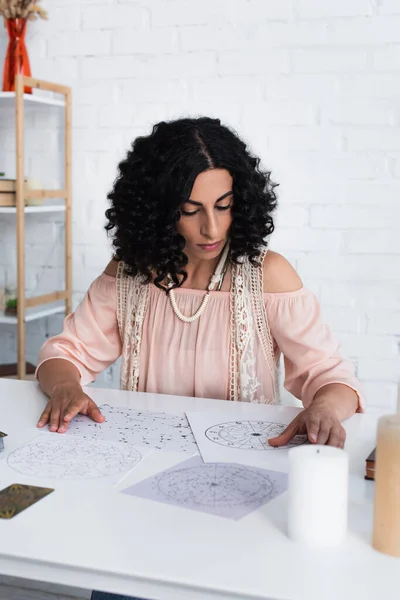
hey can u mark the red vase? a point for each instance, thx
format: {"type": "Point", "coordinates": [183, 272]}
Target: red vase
{"type": "Point", "coordinates": [17, 61]}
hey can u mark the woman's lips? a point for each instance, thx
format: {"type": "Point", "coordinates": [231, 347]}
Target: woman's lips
{"type": "Point", "coordinates": [210, 247]}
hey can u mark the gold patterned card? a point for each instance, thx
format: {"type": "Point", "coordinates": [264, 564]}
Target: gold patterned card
{"type": "Point", "coordinates": [17, 497]}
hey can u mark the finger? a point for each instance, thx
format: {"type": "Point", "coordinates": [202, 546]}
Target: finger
{"type": "Point", "coordinates": [285, 437]}
{"type": "Point", "coordinates": [94, 412]}
{"type": "Point", "coordinates": [44, 417]}
{"type": "Point", "coordinates": [335, 438]}
{"type": "Point", "coordinates": [313, 427]}
{"type": "Point", "coordinates": [72, 409]}
{"type": "Point", "coordinates": [342, 437]}
{"type": "Point", "coordinates": [324, 433]}
{"type": "Point", "coordinates": [55, 419]}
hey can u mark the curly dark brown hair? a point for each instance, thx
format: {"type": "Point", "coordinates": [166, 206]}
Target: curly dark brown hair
{"type": "Point", "coordinates": [155, 180]}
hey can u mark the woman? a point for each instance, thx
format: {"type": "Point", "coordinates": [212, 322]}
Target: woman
{"type": "Point", "coordinates": [193, 302]}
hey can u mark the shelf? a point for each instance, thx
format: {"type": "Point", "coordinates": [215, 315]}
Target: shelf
{"type": "Point", "coordinates": [8, 99]}
{"type": "Point", "coordinates": [50, 205]}
{"type": "Point", "coordinates": [46, 208]}
{"type": "Point", "coordinates": [32, 314]}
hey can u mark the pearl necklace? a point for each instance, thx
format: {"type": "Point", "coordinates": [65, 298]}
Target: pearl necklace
{"type": "Point", "coordinates": [216, 278]}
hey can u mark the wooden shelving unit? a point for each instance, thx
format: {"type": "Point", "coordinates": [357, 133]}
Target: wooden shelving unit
{"type": "Point", "coordinates": [29, 309]}
{"type": "Point", "coordinates": [31, 210]}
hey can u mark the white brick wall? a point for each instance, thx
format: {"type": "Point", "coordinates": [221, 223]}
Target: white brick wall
{"type": "Point", "coordinates": [314, 87]}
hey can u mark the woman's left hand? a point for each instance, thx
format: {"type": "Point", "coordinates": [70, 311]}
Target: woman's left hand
{"type": "Point", "coordinates": [332, 404]}
{"type": "Point", "coordinates": [319, 422]}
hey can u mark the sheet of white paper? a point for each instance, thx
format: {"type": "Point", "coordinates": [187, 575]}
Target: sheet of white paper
{"type": "Point", "coordinates": [156, 430]}
{"type": "Point", "coordinates": [232, 438]}
{"type": "Point", "coordinates": [55, 456]}
{"type": "Point", "coordinates": [225, 490]}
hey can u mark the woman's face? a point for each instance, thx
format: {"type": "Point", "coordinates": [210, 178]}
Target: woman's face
{"type": "Point", "coordinates": [207, 216]}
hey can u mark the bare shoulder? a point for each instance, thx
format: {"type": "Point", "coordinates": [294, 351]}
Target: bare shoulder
{"type": "Point", "coordinates": [112, 268]}
{"type": "Point", "coordinates": [279, 275]}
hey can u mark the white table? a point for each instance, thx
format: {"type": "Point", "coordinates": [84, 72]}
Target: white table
{"type": "Point", "coordinates": [97, 538]}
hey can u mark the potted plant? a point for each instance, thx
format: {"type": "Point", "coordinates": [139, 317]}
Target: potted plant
{"type": "Point", "coordinates": [11, 306]}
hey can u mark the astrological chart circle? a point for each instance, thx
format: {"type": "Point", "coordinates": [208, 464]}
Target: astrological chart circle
{"type": "Point", "coordinates": [216, 486]}
{"type": "Point", "coordinates": [59, 457]}
{"type": "Point", "coordinates": [250, 435]}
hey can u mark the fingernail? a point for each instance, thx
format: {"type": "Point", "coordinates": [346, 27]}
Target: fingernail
{"type": "Point", "coordinates": [53, 428]}
{"type": "Point", "coordinates": [40, 423]}
{"type": "Point", "coordinates": [313, 437]}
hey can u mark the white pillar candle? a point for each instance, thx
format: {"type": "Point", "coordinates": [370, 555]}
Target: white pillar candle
{"type": "Point", "coordinates": [318, 495]}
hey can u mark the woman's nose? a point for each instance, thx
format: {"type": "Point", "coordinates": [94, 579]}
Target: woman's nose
{"type": "Point", "coordinates": [210, 228]}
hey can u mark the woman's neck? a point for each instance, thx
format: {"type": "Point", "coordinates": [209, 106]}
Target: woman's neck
{"type": "Point", "coordinates": [199, 273]}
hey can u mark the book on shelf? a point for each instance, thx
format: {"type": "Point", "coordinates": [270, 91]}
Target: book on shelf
{"type": "Point", "coordinates": [8, 185]}
{"type": "Point", "coordinates": [8, 198]}
{"type": "Point", "coordinates": [370, 466]}
{"type": "Point", "coordinates": [2, 435]}
{"type": "Point", "coordinates": [8, 192]}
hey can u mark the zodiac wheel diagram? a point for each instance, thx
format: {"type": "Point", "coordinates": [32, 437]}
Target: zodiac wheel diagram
{"type": "Point", "coordinates": [250, 435]}
{"type": "Point", "coordinates": [72, 458]}
{"type": "Point", "coordinates": [216, 486]}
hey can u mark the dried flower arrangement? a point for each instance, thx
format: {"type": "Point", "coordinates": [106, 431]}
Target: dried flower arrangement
{"type": "Point", "coordinates": [22, 9]}
{"type": "Point", "coordinates": [16, 15]}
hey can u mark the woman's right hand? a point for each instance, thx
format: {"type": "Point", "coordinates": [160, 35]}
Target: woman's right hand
{"type": "Point", "coordinates": [65, 402]}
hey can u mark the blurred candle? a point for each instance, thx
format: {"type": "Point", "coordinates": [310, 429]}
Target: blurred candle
{"type": "Point", "coordinates": [386, 536]}
{"type": "Point", "coordinates": [318, 495]}
{"type": "Point", "coordinates": [398, 398]}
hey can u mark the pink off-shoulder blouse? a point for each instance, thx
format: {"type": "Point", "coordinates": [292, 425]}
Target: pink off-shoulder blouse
{"type": "Point", "coordinates": [193, 359]}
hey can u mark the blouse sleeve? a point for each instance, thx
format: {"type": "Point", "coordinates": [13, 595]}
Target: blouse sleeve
{"type": "Point", "coordinates": [90, 338]}
{"type": "Point", "coordinates": [311, 353]}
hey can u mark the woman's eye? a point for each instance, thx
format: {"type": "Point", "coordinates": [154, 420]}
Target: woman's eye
{"type": "Point", "coordinates": [189, 213]}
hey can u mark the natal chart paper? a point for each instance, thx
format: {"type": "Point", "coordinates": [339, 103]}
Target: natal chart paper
{"type": "Point", "coordinates": [229, 437]}
{"type": "Point", "coordinates": [55, 456]}
{"type": "Point", "coordinates": [222, 489]}
{"type": "Point", "coordinates": [155, 430]}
